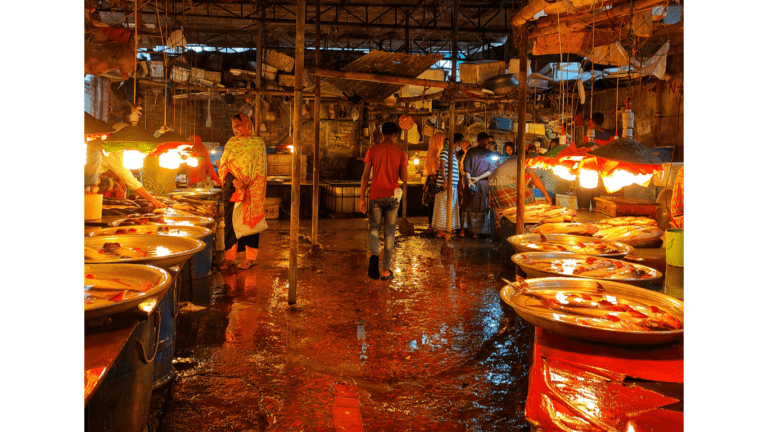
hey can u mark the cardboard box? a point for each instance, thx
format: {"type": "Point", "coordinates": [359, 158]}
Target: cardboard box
{"type": "Point", "coordinates": [213, 76]}
{"type": "Point", "coordinates": [617, 207]}
{"type": "Point", "coordinates": [514, 66]}
{"type": "Point", "coordinates": [196, 75]}
{"type": "Point", "coordinates": [479, 71]}
{"type": "Point", "coordinates": [286, 80]}
{"type": "Point", "coordinates": [430, 74]}
{"type": "Point", "coordinates": [279, 60]}
{"type": "Point", "coordinates": [272, 211]}
{"type": "Point", "coordinates": [268, 72]}
{"type": "Point", "coordinates": [179, 74]}
{"type": "Point", "coordinates": [567, 201]}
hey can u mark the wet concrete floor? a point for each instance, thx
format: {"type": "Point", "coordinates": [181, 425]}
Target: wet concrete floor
{"type": "Point", "coordinates": [433, 349]}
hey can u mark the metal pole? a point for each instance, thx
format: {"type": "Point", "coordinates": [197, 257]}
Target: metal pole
{"type": "Point", "coordinates": [316, 156]}
{"type": "Point", "coordinates": [293, 267]}
{"type": "Point", "coordinates": [407, 51]}
{"type": "Point", "coordinates": [522, 90]}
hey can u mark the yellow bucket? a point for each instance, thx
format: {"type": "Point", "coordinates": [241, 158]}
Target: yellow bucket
{"type": "Point", "coordinates": [674, 245]}
{"type": "Point", "coordinates": [93, 206]}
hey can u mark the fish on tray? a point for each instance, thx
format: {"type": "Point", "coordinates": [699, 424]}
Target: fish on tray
{"type": "Point", "coordinates": [99, 291]}
{"type": "Point", "coordinates": [113, 250]}
{"type": "Point", "coordinates": [590, 248]}
{"type": "Point", "coordinates": [596, 267]}
{"type": "Point", "coordinates": [598, 308]}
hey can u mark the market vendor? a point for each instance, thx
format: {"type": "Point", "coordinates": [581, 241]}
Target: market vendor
{"type": "Point", "coordinates": [112, 165]}
{"type": "Point", "coordinates": [602, 137]}
{"type": "Point", "coordinates": [502, 185]}
{"type": "Point", "coordinates": [203, 174]}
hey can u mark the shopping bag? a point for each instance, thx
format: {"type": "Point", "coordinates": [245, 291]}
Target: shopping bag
{"type": "Point", "coordinates": [242, 229]}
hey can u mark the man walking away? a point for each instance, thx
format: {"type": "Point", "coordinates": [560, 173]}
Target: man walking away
{"type": "Point", "coordinates": [387, 161]}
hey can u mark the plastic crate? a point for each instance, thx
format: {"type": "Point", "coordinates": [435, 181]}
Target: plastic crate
{"type": "Point", "coordinates": [343, 196]}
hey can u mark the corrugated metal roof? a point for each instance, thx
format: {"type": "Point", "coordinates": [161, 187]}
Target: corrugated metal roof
{"type": "Point", "coordinates": [382, 63]}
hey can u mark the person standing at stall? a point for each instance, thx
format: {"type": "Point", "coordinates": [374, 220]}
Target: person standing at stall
{"type": "Point", "coordinates": [602, 137]}
{"type": "Point", "coordinates": [386, 160]}
{"type": "Point", "coordinates": [430, 168]}
{"type": "Point", "coordinates": [112, 165]}
{"type": "Point", "coordinates": [477, 168]}
{"type": "Point", "coordinates": [243, 167]}
{"type": "Point", "coordinates": [440, 216]}
{"type": "Point", "coordinates": [197, 176]}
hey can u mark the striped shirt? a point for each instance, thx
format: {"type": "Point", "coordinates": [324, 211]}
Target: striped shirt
{"type": "Point", "coordinates": [444, 158]}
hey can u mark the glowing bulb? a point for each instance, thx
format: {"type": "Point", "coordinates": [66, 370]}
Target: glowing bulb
{"type": "Point", "coordinates": [192, 162]}
{"type": "Point", "coordinates": [620, 178]}
{"type": "Point", "coordinates": [588, 178]}
{"type": "Point", "coordinates": [494, 158]}
{"type": "Point", "coordinates": [170, 159]}
{"type": "Point", "coordinates": [291, 147]}
{"type": "Point", "coordinates": [213, 151]}
{"type": "Point", "coordinates": [133, 159]}
{"type": "Point", "coordinates": [415, 161]}
{"type": "Point", "coordinates": [563, 173]}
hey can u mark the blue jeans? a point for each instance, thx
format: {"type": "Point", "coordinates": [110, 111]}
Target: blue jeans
{"type": "Point", "coordinates": [377, 208]}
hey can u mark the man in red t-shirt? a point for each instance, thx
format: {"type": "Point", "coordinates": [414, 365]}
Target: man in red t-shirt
{"type": "Point", "coordinates": [387, 161]}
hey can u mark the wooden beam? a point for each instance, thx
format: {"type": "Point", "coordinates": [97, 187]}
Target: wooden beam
{"type": "Point", "coordinates": [316, 155]}
{"type": "Point", "coordinates": [571, 23]}
{"type": "Point", "coordinates": [388, 79]}
{"type": "Point", "coordinates": [298, 85]}
{"type": "Point", "coordinates": [522, 92]}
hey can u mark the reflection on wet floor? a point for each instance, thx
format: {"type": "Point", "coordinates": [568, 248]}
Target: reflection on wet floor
{"type": "Point", "coordinates": [433, 349]}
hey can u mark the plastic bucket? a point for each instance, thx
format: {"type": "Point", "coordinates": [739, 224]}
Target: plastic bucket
{"type": "Point", "coordinates": [674, 245]}
{"type": "Point", "coordinates": [93, 206]}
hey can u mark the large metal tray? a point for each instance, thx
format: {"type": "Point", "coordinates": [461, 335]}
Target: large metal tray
{"type": "Point", "coordinates": [522, 244]}
{"type": "Point", "coordinates": [534, 273]}
{"type": "Point", "coordinates": [550, 321]}
{"type": "Point", "coordinates": [195, 232]}
{"type": "Point", "coordinates": [171, 220]}
{"type": "Point", "coordinates": [145, 273]}
{"type": "Point", "coordinates": [180, 248]}
{"type": "Point", "coordinates": [197, 193]}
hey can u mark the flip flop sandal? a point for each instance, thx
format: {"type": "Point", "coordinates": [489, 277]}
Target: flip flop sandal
{"type": "Point", "coordinates": [373, 267]}
{"type": "Point", "coordinates": [226, 264]}
{"type": "Point", "coordinates": [388, 277]}
{"type": "Point", "coordinates": [245, 265]}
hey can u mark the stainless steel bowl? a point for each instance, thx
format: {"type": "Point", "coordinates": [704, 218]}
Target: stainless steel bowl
{"type": "Point", "coordinates": [524, 243]}
{"type": "Point", "coordinates": [549, 321]}
{"type": "Point", "coordinates": [533, 272]}
{"type": "Point", "coordinates": [195, 232]}
{"type": "Point", "coordinates": [179, 249]}
{"type": "Point", "coordinates": [145, 273]}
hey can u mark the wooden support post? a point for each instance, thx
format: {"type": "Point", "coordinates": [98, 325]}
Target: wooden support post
{"type": "Point", "coordinates": [522, 91]}
{"type": "Point", "coordinates": [293, 267]}
{"type": "Point", "coordinates": [257, 114]}
{"type": "Point", "coordinates": [316, 155]}
{"type": "Point", "coordinates": [657, 117]}
{"type": "Point", "coordinates": [452, 123]}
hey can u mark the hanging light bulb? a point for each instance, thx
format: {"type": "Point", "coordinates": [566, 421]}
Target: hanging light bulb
{"type": "Point", "coordinates": [133, 159]}
{"type": "Point", "coordinates": [170, 159]}
{"type": "Point", "coordinates": [416, 161]}
{"type": "Point", "coordinates": [620, 178]}
{"type": "Point", "coordinates": [563, 172]}
{"type": "Point", "coordinates": [588, 178]}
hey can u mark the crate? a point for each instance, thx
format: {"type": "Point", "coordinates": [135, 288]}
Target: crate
{"type": "Point", "coordinates": [156, 69]}
{"type": "Point", "coordinates": [213, 76]}
{"type": "Point", "coordinates": [617, 207]}
{"type": "Point", "coordinates": [279, 60]}
{"type": "Point", "coordinates": [179, 74]}
{"type": "Point", "coordinates": [196, 75]}
{"type": "Point", "coordinates": [268, 72]}
{"type": "Point", "coordinates": [479, 71]}
{"type": "Point", "coordinates": [567, 201]}
{"type": "Point", "coordinates": [286, 80]}
{"type": "Point", "coordinates": [343, 196]}
{"type": "Point", "coordinates": [282, 165]}
{"type": "Point", "coordinates": [272, 211]}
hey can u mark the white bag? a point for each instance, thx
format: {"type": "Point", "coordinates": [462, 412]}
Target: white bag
{"type": "Point", "coordinates": [242, 229]}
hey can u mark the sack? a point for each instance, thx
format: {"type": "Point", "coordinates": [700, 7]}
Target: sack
{"type": "Point", "coordinates": [242, 229]}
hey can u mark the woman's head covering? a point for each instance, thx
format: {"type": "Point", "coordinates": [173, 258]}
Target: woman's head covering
{"type": "Point", "coordinates": [249, 131]}
{"type": "Point", "coordinates": [437, 140]}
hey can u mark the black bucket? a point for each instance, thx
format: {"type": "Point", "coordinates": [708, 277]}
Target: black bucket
{"type": "Point", "coordinates": [169, 309]}
{"type": "Point", "coordinates": [122, 401]}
